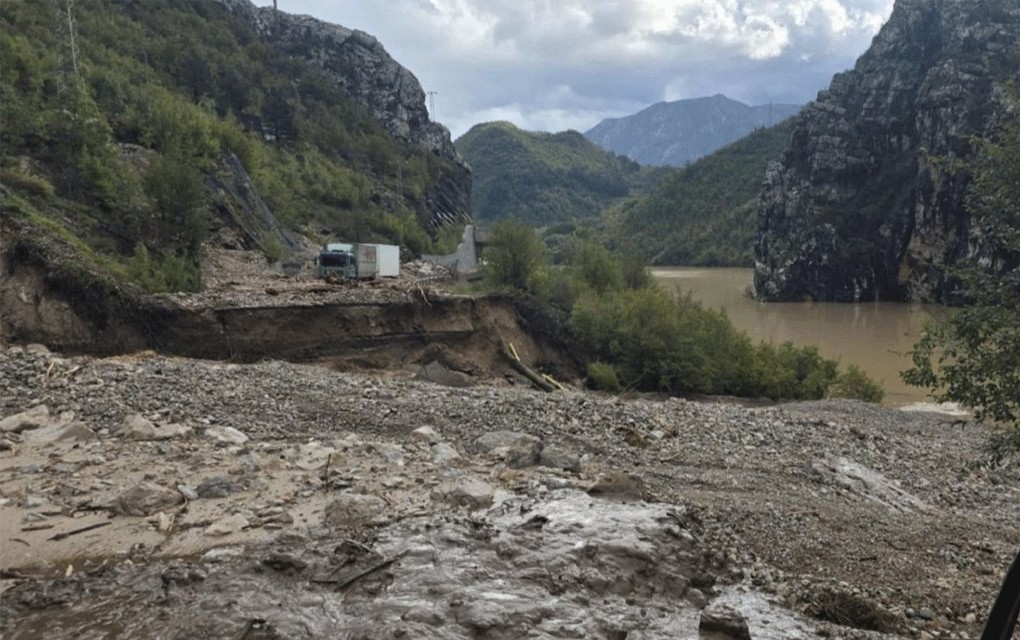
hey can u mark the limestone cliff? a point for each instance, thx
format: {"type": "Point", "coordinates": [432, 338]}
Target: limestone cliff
{"type": "Point", "coordinates": [359, 65]}
{"type": "Point", "coordinates": [867, 201]}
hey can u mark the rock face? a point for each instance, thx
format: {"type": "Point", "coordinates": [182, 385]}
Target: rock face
{"type": "Point", "coordinates": [359, 65]}
{"type": "Point", "coordinates": [675, 133]}
{"type": "Point", "coordinates": [868, 200]}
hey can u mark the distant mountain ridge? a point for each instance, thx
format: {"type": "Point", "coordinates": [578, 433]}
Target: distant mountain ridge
{"type": "Point", "coordinates": [677, 133]}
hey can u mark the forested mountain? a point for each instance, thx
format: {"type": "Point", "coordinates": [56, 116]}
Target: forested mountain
{"type": "Point", "coordinates": [703, 214]}
{"type": "Point", "coordinates": [135, 127]}
{"type": "Point", "coordinates": [677, 133]}
{"type": "Point", "coordinates": [545, 178]}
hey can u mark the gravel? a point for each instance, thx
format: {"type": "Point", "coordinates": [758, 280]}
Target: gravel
{"type": "Point", "coordinates": [896, 509]}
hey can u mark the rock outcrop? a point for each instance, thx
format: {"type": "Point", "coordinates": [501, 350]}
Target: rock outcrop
{"type": "Point", "coordinates": [867, 203]}
{"type": "Point", "coordinates": [361, 68]}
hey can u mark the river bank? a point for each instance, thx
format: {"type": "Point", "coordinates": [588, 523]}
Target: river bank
{"type": "Point", "coordinates": [237, 496]}
{"type": "Point", "coordinates": [875, 336]}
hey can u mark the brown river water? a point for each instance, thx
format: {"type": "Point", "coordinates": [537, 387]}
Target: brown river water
{"type": "Point", "coordinates": [875, 336]}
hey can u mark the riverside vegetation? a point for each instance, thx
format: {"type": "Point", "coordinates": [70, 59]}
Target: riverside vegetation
{"type": "Point", "coordinates": [636, 336]}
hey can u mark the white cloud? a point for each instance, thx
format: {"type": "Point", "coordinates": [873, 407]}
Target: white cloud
{"type": "Point", "coordinates": [547, 64]}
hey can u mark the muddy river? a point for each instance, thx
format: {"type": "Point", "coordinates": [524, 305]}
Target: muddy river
{"type": "Point", "coordinates": [875, 336]}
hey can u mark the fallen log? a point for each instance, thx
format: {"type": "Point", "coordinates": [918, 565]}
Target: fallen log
{"type": "Point", "coordinates": [536, 379]}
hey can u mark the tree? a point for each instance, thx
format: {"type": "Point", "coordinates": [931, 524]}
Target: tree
{"type": "Point", "coordinates": [973, 357]}
{"type": "Point", "coordinates": [514, 256]}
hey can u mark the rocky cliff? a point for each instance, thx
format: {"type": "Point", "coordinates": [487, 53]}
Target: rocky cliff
{"type": "Point", "coordinates": [359, 65]}
{"type": "Point", "coordinates": [867, 203]}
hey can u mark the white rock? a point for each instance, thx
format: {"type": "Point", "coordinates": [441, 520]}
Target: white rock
{"type": "Point", "coordinates": [138, 427]}
{"type": "Point", "coordinates": [34, 418]}
{"type": "Point", "coordinates": [229, 435]}
{"type": "Point", "coordinates": [443, 453]}
{"type": "Point", "coordinates": [425, 434]}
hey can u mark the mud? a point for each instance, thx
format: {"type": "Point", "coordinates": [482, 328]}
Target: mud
{"type": "Point", "coordinates": [565, 565]}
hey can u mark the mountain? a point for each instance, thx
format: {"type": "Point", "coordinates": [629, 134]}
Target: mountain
{"type": "Point", "coordinates": [676, 133]}
{"type": "Point", "coordinates": [869, 200]}
{"type": "Point", "coordinates": [140, 129]}
{"type": "Point", "coordinates": [703, 214]}
{"type": "Point", "coordinates": [545, 178]}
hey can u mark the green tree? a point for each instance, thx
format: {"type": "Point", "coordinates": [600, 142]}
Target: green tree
{"type": "Point", "coordinates": [514, 257]}
{"type": "Point", "coordinates": [973, 357]}
{"type": "Point", "coordinates": [179, 198]}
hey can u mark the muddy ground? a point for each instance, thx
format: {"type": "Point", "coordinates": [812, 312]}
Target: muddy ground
{"type": "Point", "coordinates": [152, 497]}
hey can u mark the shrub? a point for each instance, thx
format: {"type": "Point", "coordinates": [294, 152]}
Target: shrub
{"type": "Point", "coordinates": [855, 384]}
{"type": "Point", "coordinates": [515, 257]}
{"type": "Point", "coordinates": [602, 376]}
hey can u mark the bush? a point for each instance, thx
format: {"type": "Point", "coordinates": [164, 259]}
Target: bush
{"type": "Point", "coordinates": [602, 377]}
{"type": "Point", "coordinates": [515, 257]}
{"type": "Point", "coordinates": [855, 384]}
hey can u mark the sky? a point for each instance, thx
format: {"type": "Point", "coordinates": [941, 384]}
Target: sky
{"type": "Point", "coordinates": [552, 65]}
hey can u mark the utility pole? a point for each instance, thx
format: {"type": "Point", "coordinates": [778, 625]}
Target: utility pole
{"type": "Point", "coordinates": [68, 55]}
{"type": "Point", "coordinates": [432, 105]}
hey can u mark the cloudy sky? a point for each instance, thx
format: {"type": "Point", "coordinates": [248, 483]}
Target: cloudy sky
{"type": "Point", "coordinates": [550, 65]}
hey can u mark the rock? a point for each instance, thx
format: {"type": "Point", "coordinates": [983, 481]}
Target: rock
{"type": "Point", "coordinates": [146, 499]}
{"type": "Point", "coordinates": [226, 435]}
{"type": "Point", "coordinates": [181, 575]}
{"type": "Point", "coordinates": [926, 614]}
{"type": "Point", "coordinates": [137, 427]}
{"type": "Point", "coordinates": [425, 434]}
{"type": "Point", "coordinates": [73, 432]}
{"type": "Point", "coordinates": [723, 618]}
{"type": "Point", "coordinates": [33, 502]}
{"type": "Point", "coordinates": [556, 457]}
{"type": "Point", "coordinates": [696, 597]}
{"type": "Point", "coordinates": [865, 482]}
{"type": "Point", "coordinates": [285, 562]}
{"type": "Point", "coordinates": [162, 521]}
{"type": "Point", "coordinates": [216, 487]}
{"type": "Point", "coordinates": [227, 526]}
{"type": "Point", "coordinates": [188, 492]}
{"type": "Point", "coordinates": [518, 450]}
{"type": "Point", "coordinates": [619, 486]}
{"type": "Point", "coordinates": [443, 453]}
{"type": "Point", "coordinates": [351, 510]}
{"type": "Point", "coordinates": [37, 349]}
{"type": "Point", "coordinates": [465, 492]}
{"type": "Point", "coordinates": [36, 417]}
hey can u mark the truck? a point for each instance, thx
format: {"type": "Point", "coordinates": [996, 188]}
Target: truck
{"type": "Point", "coordinates": [360, 260]}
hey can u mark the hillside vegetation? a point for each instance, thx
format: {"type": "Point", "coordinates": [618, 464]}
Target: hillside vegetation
{"type": "Point", "coordinates": [124, 152]}
{"type": "Point", "coordinates": [703, 214]}
{"type": "Point", "coordinates": [545, 178]}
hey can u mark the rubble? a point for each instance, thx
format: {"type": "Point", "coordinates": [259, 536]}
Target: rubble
{"type": "Point", "coordinates": [561, 515]}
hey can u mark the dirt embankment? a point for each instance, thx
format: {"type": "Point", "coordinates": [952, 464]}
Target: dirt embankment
{"type": "Point", "coordinates": [250, 312]}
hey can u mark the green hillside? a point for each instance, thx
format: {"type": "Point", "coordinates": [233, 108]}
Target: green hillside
{"type": "Point", "coordinates": [126, 152]}
{"type": "Point", "coordinates": [703, 214]}
{"type": "Point", "coordinates": [545, 178]}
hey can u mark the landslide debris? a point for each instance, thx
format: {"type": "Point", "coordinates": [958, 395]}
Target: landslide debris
{"type": "Point", "coordinates": [297, 498]}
